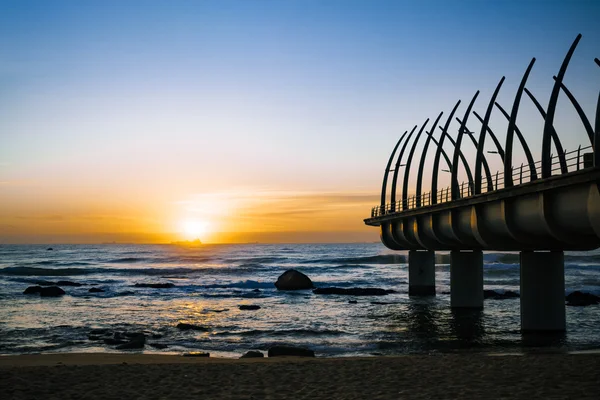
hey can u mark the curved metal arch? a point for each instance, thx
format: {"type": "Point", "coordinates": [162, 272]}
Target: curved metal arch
{"type": "Point", "coordinates": [486, 166]}
{"type": "Point", "coordinates": [408, 161]}
{"type": "Point", "coordinates": [555, 138]}
{"type": "Point", "coordinates": [478, 162]}
{"type": "Point", "coordinates": [549, 121]}
{"type": "Point", "coordinates": [461, 131]}
{"type": "Point", "coordinates": [422, 162]}
{"type": "Point", "coordinates": [584, 119]}
{"type": "Point", "coordinates": [462, 158]}
{"type": "Point", "coordinates": [512, 127]}
{"type": "Point", "coordinates": [387, 170]}
{"type": "Point", "coordinates": [494, 137]}
{"type": "Point", "coordinates": [397, 168]}
{"type": "Point", "coordinates": [528, 155]}
{"type": "Point", "coordinates": [436, 161]}
{"type": "Point", "coordinates": [597, 134]}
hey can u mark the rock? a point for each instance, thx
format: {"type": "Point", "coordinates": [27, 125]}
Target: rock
{"type": "Point", "coordinates": [158, 345]}
{"type": "Point", "coordinates": [33, 290]}
{"type": "Point", "coordinates": [137, 343]}
{"type": "Point", "coordinates": [126, 293]}
{"type": "Point", "coordinates": [492, 294]}
{"type": "Point", "coordinates": [248, 307]}
{"type": "Point", "coordinates": [256, 290]}
{"type": "Point", "coordinates": [581, 299]}
{"type": "Point", "coordinates": [100, 331]}
{"type": "Point", "coordinates": [49, 248]}
{"type": "Point", "coordinates": [95, 290]}
{"type": "Point", "coordinates": [135, 334]}
{"type": "Point", "coordinates": [155, 285]}
{"type": "Point", "coordinates": [352, 302]}
{"type": "Point", "coordinates": [293, 280]}
{"type": "Point", "coordinates": [196, 354]}
{"type": "Point", "coordinates": [353, 291]}
{"type": "Point", "coordinates": [279, 351]}
{"type": "Point", "coordinates": [51, 291]}
{"type": "Point", "coordinates": [218, 311]}
{"type": "Point", "coordinates": [253, 354]}
{"type": "Point", "coordinates": [68, 283]}
{"type": "Point", "coordinates": [191, 327]}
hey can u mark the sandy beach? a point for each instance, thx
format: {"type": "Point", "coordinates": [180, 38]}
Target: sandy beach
{"type": "Point", "coordinates": [118, 376]}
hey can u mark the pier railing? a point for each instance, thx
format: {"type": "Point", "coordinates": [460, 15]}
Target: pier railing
{"type": "Point", "coordinates": [574, 160]}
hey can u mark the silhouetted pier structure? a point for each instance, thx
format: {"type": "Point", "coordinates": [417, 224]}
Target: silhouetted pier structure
{"type": "Point", "coordinates": [540, 208]}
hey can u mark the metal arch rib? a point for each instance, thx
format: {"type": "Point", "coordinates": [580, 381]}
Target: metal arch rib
{"type": "Point", "coordinates": [422, 163]}
{"type": "Point", "coordinates": [486, 167]}
{"type": "Point", "coordinates": [494, 137]}
{"type": "Point", "coordinates": [461, 131]}
{"type": "Point", "coordinates": [555, 138]}
{"type": "Point", "coordinates": [597, 61]}
{"type": "Point", "coordinates": [512, 127]}
{"type": "Point", "coordinates": [549, 121]}
{"type": "Point", "coordinates": [584, 119]}
{"type": "Point", "coordinates": [462, 158]}
{"type": "Point", "coordinates": [436, 161]}
{"type": "Point", "coordinates": [397, 168]}
{"type": "Point", "coordinates": [407, 169]}
{"type": "Point", "coordinates": [387, 170]}
{"type": "Point", "coordinates": [478, 162]}
{"type": "Point", "coordinates": [528, 154]}
{"type": "Point", "coordinates": [597, 133]}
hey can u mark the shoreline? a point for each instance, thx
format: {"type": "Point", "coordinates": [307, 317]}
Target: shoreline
{"type": "Point", "coordinates": [105, 375]}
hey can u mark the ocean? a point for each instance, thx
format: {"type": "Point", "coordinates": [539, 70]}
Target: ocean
{"type": "Point", "coordinates": [212, 281]}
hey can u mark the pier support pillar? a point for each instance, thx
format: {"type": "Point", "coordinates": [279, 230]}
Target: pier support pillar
{"type": "Point", "coordinates": [542, 291]}
{"type": "Point", "coordinates": [421, 273]}
{"type": "Point", "coordinates": [466, 279]}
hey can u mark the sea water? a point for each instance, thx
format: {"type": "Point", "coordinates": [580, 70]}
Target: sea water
{"type": "Point", "coordinates": [211, 281]}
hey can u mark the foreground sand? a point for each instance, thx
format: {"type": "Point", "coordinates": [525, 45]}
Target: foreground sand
{"type": "Point", "coordinates": [123, 376]}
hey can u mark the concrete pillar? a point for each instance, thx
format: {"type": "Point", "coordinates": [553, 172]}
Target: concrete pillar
{"type": "Point", "coordinates": [542, 291]}
{"type": "Point", "coordinates": [466, 279]}
{"type": "Point", "coordinates": [421, 273]}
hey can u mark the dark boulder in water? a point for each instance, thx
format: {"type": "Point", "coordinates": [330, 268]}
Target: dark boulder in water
{"type": "Point", "coordinates": [159, 346]}
{"type": "Point", "coordinates": [353, 291]}
{"type": "Point", "coordinates": [49, 248]}
{"type": "Point", "coordinates": [33, 290]}
{"type": "Point", "coordinates": [581, 299]}
{"type": "Point", "coordinates": [293, 280]}
{"type": "Point", "coordinates": [95, 290]}
{"type": "Point", "coordinates": [253, 354]}
{"type": "Point", "coordinates": [68, 283]}
{"type": "Point", "coordinates": [352, 302]}
{"type": "Point", "coordinates": [191, 327]}
{"type": "Point", "coordinates": [135, 343]}
{"type": "Point", "coordinates": [494, 295]}
{"type": "Point", "coordinates": [51, 291]}
{"type": "Point", "coordinates": [292, 351]}
{"type": "Point", "coordinates": [248, 307]}
{"type": "Point", "coordinates": [155, 285]}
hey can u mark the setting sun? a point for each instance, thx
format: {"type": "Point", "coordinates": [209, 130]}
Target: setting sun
{"type": "Point", "coordinates": [193, 229]}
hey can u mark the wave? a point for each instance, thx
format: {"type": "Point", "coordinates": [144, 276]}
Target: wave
{"type": "Point", "coordinates": [126, 260]}
{"type": "Point", "coordinates": [37, 271]}
{"type": "Point", "coordinates": [283, 332]}
{"type": "Point", "coordinates": [247, 284]}
{"type": "Point", "coordinates": [380, 259]}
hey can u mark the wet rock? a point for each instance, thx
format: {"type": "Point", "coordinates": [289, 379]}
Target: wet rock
{"type": "Point", "coordinates": [248, 307]}
{"type": "Point", "coordinates": [218, 311]}
{"type": "Point", "coordinates": [159, 346]}
{"type": "Point", "coordinates": [494, 295]}
{"type": "Point", "coordinates": [33, 290]}
{"type": "Point", "coordinates": [291, 351]}
{"type": "Point", "coordinates": [196, 354]}
{"type": "Point", "coordinates": [352, 302]}
{"type": "Point", "coordinates": [581, 299]}
{"type": "Point", "coordinates": [293, 280]}
{"type": "Point", "coordinates": [68, 283]}
{"type": "Point", "coordinates": [353, 291]}
{"type": "Point", "coordinates": [136, 343]}
{"type": "Point", "coordinates": [191, 327]}
{"type": "Point", "coordinates": [155, 285]}
{"type": "Point", "coordinates": [51, 291]}
{"type": "Point", "coordinates": [253, 354]}
{"type": "Point", "coordinates": [49, 249]}
{"type": "Point", "coordinates": [96, 290]}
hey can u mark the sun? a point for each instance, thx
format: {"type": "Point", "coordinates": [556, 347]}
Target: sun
{"type": "Point", "coordinates": [194, 228]}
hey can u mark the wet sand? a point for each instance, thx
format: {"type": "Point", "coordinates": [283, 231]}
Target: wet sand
{"type": "Point", "coordinates": [138, 376]}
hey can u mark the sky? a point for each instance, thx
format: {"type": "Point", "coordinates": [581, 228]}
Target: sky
{"type": "Point", "coordinates": [254, 121]}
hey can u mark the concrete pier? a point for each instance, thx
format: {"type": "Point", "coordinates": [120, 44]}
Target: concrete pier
{"type": "Point", "coordinates": [421, 273]}
{"type": "Point", "coordinates": [466, 279]}
{"type": "Point", "coordinates": [542, 291]}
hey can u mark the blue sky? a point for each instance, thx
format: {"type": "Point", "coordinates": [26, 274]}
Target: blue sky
{"type": "Point", "coordinates": [193, 97]}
